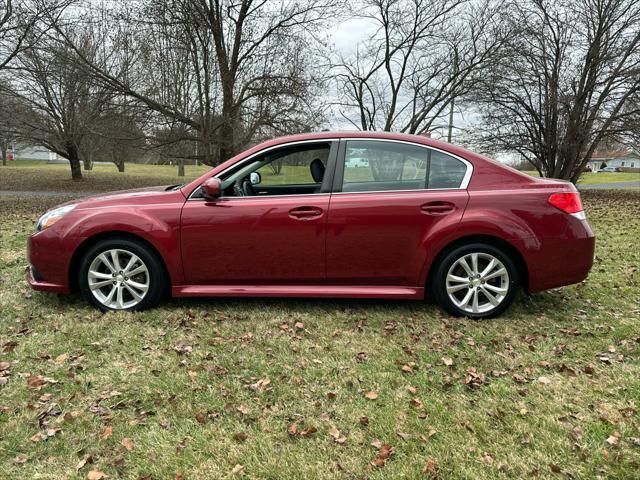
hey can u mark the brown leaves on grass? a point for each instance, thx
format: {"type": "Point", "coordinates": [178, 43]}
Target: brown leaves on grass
{"type": "Point", "coordinates": [430, 468]}
{"type": "Point", "coordinates": [614, 438]}
{"type": "Point", "coordinates": [261, 385]}
{"type": "Point", "coordinates": [240, 437]}
{"type": "Point", "coordinates": [336, 435]}
{"type": "Point", "coordinates": [38, 381]}
{"type": "Point", "coordinates": [4, 372]}
{"type": "Point", "coordinates": [385, 450]}
{"type": "Point", "coordinates": [107, 432]}
{"type": "Point", "coordinates": [181, 347]}
{"type": "Point", "coordinates": [474, 379]}
{"type": "Point", "coordinates": [294, 431]}
{"type": "Point", "coordinates": [45, 434]}
{"type": "Point", "coordinates": [96, 475]}
{"type": "Point", "coordinates": [371, 395]}
{"type": "Point", "coordinates": [127, 443]}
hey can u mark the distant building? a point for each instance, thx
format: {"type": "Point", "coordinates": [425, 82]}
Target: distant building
{"type": "Point", "coordinates": [37, 153]}
{"type": "Point", "coordinates": [627, 160]}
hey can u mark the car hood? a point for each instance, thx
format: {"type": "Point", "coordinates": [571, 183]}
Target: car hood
{"type": "Point", "coordinates": [136, 196]}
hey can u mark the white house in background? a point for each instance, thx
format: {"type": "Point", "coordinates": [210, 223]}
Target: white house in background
{"type": "Point", "coordinates": [628, 160]}
{"type": "Point", "coordinates": [37, 153]}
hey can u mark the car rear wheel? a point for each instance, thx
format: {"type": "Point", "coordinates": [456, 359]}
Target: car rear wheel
{"type": "Point", "coordinates": [121, 274]}
{"type": "Point", "coordinates": [475, 280]}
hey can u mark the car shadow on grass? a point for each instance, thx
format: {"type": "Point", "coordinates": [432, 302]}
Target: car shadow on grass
{"type": "Point", "coordinates": [554, 304]}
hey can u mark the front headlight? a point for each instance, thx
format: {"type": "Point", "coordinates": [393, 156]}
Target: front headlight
{"type": "Point", "coordinates": [53, 216]}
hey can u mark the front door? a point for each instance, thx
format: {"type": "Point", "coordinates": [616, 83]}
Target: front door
{"type": "Point", "coordinates": [389, 196]}
{"type": "Point", "coordinates": [269, 232]}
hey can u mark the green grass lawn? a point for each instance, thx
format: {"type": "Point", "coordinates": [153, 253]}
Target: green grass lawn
{"type": "Point", "coordinates": [25, 175]}
{"type": "Point", "coordinates": [609, 177]}
{"type": "Point", "coordinates": [302, 389]}
{"type": "Point", "coordinates": [591, 178]}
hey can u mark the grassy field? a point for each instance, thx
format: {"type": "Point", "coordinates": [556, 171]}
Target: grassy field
{"type": "Point", "coordinates": [324, 389]}
{"type": "Point", "coordinates": [609, 177]}
{"type": "Point", "coordinates": [26, 175]}
{"type": "Point", "coordinates": [592, 178]}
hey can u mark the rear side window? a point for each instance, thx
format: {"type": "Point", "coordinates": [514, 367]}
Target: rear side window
{"type": "Point", "coordinates": [376, 166]}
{"type": "Point", "coordinates": [379, 166]}
{"type": "Point", "coordinates": [445, 171]}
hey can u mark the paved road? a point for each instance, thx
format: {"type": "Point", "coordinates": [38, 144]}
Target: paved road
{"type": "Point", "coordinates": [25, 193]}
{"type": "Point", "coordinates": [607, 186]}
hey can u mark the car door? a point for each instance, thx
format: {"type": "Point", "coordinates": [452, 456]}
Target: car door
{"type": "Point", "coordinates": [262, 239]}
{"type": "Point", "coordinates": [381, 215]}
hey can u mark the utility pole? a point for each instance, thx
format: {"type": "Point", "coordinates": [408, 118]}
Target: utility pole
{"type": "Point", "coordinates": [451, 120]}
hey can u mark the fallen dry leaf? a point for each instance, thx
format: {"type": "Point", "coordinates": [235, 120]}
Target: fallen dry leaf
{"type": "Point", "coordinates": [384, 453]}
{"type": "Point", "coordinates": [430, 468]}
{"type": "Point", "coordinates": [96, 475]}
{"type": "Point", "coordinates": [371, 395]}
{"type": "Point", "coordinates": [238, 469]}
{"type": "Point", "coordinates": [80, 465]}
{"type": "Point", "coordinates": [60, 359]}
{"type": "Point", "coordinates": [614, 438]}
{"type": "Point", "coordinates": [448, 361]}
{"type": "Point", "coordinates": [544, 380]}
{"type": "Point", "coordinates": [20, 459]}
{"type": "Point", "coordinates": [127, 443]}
{"type": "Point", "coordinates": [107, 432]}
{"type": "Point", "coordinates": [335, 434]}
{"type": "Point", "coordinates": [240, 436]}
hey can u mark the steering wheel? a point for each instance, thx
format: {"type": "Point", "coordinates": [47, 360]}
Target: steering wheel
{"type": "Point", "coordinates": [244, 188]}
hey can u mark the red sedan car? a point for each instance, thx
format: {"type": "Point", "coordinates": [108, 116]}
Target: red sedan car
{"type": "Point", "coordinates": [324, 215]}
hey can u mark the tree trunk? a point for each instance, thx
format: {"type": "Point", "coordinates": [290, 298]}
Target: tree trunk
{"type": "Point", "coordinates": [88, 161]}
{"type": "Point", "coordinates": [74, 161]}
{"type": "Point", "coordinates": [120, 164]}
{"type": "Point", "coordinates": [4, 155]}
{"type": "Point", "coordinates": [181, 167]}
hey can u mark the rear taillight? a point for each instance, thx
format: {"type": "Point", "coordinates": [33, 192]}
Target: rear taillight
{"type": "Point", "coordinates": [567, 202]}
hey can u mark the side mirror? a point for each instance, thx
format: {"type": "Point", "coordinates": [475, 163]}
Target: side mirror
{"type": "Point", "coordinates": [255, 178]}
{"type": "Point", "coordinates": [212, 188]}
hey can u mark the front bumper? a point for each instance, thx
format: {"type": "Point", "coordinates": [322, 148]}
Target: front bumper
{"type": "Point", "coordinates": [43, 286]}
{"type": "Point", "coordinates": [49, 257]}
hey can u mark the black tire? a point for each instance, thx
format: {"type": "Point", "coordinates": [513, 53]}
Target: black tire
{"type": "Point", "coordinates": [439, 280]}
{"type": "Point", "coordinates": [157, 278]}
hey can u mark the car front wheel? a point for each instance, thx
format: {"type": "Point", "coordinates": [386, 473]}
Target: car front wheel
{"type": "Point", "coordinates": [475, 280]}
{"type": "Point", "coordinates": [121, 274]}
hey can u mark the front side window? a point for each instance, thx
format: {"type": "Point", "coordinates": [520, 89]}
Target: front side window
{"type": "Point", "coordinates": [290, 170]}
{"type": "Point", "coordinates": [379, 166]}
{"type": "Point", "coordinates": [293, 168]}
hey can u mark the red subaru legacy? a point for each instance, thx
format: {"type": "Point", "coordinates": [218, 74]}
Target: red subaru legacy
{"type": "Point", "coordinates": [324, 215]}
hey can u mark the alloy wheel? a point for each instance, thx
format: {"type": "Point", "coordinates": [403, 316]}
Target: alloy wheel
{"type": "Point", "coordinates": [118, 279]}
{"type": "Point", "coordinates": [477, 282]}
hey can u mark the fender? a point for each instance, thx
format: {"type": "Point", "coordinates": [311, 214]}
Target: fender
{"type": "Point", "coordinates": [158, 224]}
{"type": "Point", "coordinates": [476, 222]}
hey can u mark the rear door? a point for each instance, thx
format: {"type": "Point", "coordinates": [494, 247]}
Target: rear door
{"type": "Point", "coordinates": [383, 207]}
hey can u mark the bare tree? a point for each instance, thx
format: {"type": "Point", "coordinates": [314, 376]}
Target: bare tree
{"type": "Point", "coordinates": [17, 22]}
{"type": "Point", "coordinates": [422, 56]}
{"type": "Point", "coordinates": [58, 101]}
{"type": "Point", "coordinates": [565, 84]}
{"type": "Point", "coordinates": [226, 70]}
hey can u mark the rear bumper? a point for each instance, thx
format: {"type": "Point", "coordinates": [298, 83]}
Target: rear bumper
{"type": "Point", "coordinates": [562, 261]}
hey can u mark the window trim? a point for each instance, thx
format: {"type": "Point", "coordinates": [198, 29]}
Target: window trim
{"type": "Point", "coordinates": [326, 183]}
{"type": "Point", "coordinates": [339, 171]}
